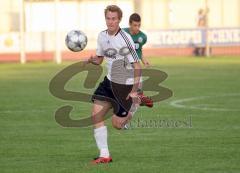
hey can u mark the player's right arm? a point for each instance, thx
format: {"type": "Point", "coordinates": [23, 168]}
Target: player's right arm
{"type": "Point", "coordinates": [98, 58]}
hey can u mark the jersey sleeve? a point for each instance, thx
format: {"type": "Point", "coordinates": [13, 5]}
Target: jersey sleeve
{"type": "Point", "coordinates": [144, 39]}
{"type": "Point", "coordinates": [99, 51]}
{"type": "Point", "coordinates": [132, 56]}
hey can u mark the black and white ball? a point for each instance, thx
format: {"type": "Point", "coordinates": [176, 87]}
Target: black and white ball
{"type": "Point", "coordinates": [76, 40]}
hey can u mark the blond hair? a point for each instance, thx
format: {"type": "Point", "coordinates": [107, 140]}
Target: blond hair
{"type": "Point", "coordinates": [113, 8]}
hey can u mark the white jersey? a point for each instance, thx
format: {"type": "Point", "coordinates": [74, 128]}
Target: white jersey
{"type": "Point", "coordinates": [119, 53]}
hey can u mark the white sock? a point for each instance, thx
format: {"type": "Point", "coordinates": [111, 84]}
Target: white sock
{"type": "Point", "coordinates": [100, 135]}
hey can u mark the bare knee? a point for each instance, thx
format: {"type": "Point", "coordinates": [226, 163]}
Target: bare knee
{"type": "Point", "coordinates": [119, 122]}
{"type": "Point", "coordinates": [99, 110]}
{"type": "Point", "coordinates": [116, 125]}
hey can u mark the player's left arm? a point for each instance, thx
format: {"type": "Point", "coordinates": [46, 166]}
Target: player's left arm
{"type": "Point", "coordinates": [137, 74]}
{"type": "Point", "coordinates": [134, 60]}
{"type": "Point", "coordinates": [144, 60]}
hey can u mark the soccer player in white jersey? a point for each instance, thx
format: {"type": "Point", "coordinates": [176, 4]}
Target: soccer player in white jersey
{"type": "Point", "coordinates": [119, 88]}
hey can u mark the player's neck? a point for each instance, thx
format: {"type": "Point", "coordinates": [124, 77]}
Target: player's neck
{"type": "Point", "coordinates": [133, 33]}
{"type": "Point", "coordinates": [113, 32]}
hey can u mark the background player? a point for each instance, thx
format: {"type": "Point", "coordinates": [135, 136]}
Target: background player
{"type": "Point", "coordinates": [139, 38]}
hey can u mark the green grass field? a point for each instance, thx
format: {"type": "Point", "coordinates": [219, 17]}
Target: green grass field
{"type": "Point", "coordinates": [205, 90]}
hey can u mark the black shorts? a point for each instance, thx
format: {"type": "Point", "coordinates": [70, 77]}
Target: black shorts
{"type": "Point", "coordinates": [115, 94]}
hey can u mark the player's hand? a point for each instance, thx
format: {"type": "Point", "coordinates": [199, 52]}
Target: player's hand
{"type": "Point", "coordinates": [88, 61]}
{"type": "Point", "coordinates": [95, 60]}
{"type": "Point", "coordinates": [134, 96]}
{"type": "Point", "coordinates": [145, 62]}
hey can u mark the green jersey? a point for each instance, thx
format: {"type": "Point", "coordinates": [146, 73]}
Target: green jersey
{"type": "Point", "coordinates": [139, 39]}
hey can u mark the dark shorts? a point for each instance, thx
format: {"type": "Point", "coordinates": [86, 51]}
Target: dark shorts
{"type": "Point", "coordinates": [115, 94]}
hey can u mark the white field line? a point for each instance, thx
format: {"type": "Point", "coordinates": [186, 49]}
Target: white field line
{"type": "Point", "coordinates": [180, 103]}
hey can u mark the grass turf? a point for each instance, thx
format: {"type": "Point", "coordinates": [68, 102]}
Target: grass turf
{"type": "Point", "coordinates": [31, 140]}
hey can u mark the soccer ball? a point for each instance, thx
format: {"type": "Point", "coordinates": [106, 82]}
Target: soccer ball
{"type": "Point", "coordinates": [76, 40]}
